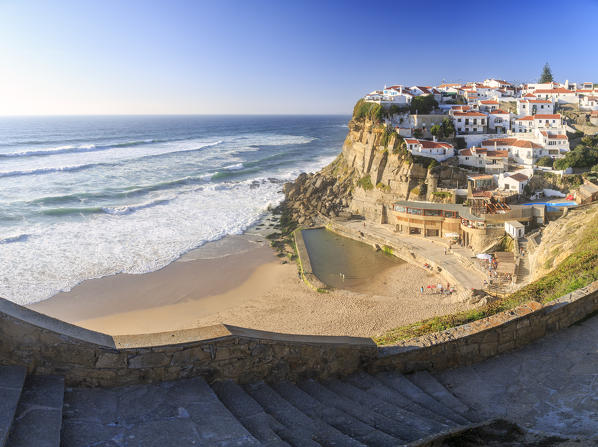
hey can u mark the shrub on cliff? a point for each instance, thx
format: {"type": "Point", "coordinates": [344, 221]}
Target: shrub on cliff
{"type": "Point", "coordinates": [545, 161]}
{"type": "Point", "coordinates": [368, 110]}
{"type": "Point", "coordinates": [423, 104]}
{"type": "Point", "coordinates": [365, 183]}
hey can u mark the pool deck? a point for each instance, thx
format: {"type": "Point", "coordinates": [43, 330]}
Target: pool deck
{"type": "Point", "coordinates": [458, 263]}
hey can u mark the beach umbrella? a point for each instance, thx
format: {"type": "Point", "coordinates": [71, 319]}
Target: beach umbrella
{"type": "Point", "coordinates": [484, 256]}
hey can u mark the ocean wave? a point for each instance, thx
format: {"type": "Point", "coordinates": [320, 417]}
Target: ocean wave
{"type": "Point", "coordinates": [112, 210]}
{"type": "Point", "coordinates": [128, 209]}
{"type": "Point", "coordinates": [17, 238]}
{"type": "Point", "coordinates": [73, 211]}
{"type": "Point", "coordinates": [38, 171]}
{"type": "Point", "coordinates": [81, 167]}
{"type": "Point", "coordinates": [69, 149]}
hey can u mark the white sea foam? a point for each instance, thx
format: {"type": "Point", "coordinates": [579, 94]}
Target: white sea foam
{"type": "Point", "coordinates": [69, 252]}
{"type": "Point", "coordinates": [148, 202]}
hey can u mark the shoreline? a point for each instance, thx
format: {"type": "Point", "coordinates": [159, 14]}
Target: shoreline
{"type": "Point", "coordinates": [252, 288]}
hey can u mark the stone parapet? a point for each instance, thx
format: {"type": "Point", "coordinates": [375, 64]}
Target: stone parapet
{"type": "Point", "coordinates": [49, 346]}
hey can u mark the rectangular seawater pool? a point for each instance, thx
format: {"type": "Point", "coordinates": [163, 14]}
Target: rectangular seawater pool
{"type": "Point", "coordinates": [344, 263]}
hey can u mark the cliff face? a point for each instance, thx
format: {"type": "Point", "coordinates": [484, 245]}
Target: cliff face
{"type": "Point", "coordinates": [560, 239]}
{"type": "Point", "coordinates": [373, 170]}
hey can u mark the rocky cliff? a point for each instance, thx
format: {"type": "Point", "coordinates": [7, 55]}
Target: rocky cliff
{"type": "Point", "coordinates": [560, 239]}
{"type": "Point", "coordinates": [373, 170]}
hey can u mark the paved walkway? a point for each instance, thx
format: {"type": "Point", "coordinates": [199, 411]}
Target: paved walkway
{"type": "Point", "coordinates": [454, 263]}
{"type": "Point", "coordinates": [550, 385]}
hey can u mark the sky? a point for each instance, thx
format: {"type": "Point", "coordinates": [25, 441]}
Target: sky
{"type": "Point", "coordinates": [273, 57]}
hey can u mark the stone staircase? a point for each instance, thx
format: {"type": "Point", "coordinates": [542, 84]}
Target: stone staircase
{"type": "Point", "coordinates": [386, 409]}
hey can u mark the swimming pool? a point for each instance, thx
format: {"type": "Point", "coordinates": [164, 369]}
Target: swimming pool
{"type": "Point", "coordinates": [554, 206]}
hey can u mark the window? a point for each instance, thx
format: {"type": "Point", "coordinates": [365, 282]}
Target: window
{"type": "Point", "coordinates": [399, 208]}
{"type": "Point", "coordinates": [414, 211]}
{"type": "Point", "coordinates": [451, 214]}
{"type": "Point", "coordinates": [459, 120]}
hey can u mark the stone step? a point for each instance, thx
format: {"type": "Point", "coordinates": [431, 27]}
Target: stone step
{"type": "Point", "coordinates": [339, 419]}
{"type": "Point", "coordinates": [397, 430]}
{"type": "Point", "coordinates": [407, 425]}
{"type": "Point", "coordinates": [250, 413]}
{"type": "Point", "coordinates": [375, 387]}
{"type": "Point", "coordinates": [428, 383]}
{"type": "Point", "coordinates": [185, 410]}
{"type": "Point", "coordinates": [38, 418]}
{"type": "Point", "coordinates": [11, 385]}
{"type": "Point", "coordinates": [404, 386]}
{"type": "Point", "coordinates": [302, 425]}
{"type": "Point", "coordinates": [467, 381]}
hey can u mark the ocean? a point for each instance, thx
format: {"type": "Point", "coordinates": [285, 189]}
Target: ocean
{"type": "Point", "coordinates": [87, 197]}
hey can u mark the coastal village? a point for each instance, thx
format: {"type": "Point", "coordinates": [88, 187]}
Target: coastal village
{"type": "Point", "coordinates": [471, 172]}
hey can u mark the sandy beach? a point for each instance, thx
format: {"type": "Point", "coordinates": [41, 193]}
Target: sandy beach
{"type": "Point", "coordinates": [254, 289]}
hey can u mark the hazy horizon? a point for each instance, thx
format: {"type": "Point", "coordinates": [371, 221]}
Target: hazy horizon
{"type": "Point", "coordinates": [70, 58]}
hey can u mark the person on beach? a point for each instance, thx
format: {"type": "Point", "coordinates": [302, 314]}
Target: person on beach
{"type": "Point", "coordinates": [421, 289]}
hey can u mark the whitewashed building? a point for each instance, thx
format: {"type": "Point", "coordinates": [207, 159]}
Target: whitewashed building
{"type": "Point", "coordinates": [470, 122]}
{"type": "Point", "coordinates": [558, 95]}
{"type": "Point", "coordinates": [588, 102]}
{"type": "Point", "coordinates": [529, 106]}
{"type": "Point", "coordinates": [499, 121]}
{"type": "Point", "coordinates": [492, 161]}
{"type": "Point", "coordinates": [513, 181]}
{"type": "Point", "coordinates": [433, 149]}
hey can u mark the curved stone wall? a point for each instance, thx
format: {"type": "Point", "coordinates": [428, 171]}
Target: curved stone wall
{"type": "Point", "coordinates": [49, 346]}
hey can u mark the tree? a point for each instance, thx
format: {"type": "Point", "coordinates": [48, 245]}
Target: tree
{"type": "Point", "coordinates": [436, 130]}
{"type": "Point", "coordinates": [418, 133]}
{"type": "Point", "coordinates": [423, 104]}
{"type": "Point", "coordinates": [448, 127]}
{"type": "Point", "coordinates": [545, 161]}
{"type": "Point", "coordinates": [546, 75]}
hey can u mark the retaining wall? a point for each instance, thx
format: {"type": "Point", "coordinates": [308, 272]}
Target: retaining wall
{"type": "Point", "coordinates": [49, 346]}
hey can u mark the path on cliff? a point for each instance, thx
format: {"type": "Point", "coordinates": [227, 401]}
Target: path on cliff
{"type": "Point", "coordinates": [468, 278]}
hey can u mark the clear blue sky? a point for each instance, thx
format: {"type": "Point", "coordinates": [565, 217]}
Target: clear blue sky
{"type": "Point", "coordinates": [254, 56]}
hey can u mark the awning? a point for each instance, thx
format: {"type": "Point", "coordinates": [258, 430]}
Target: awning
{"type": "Point", "coordinates": [483, 256]}
{"type": "Point", "coordinates": [451, 234]}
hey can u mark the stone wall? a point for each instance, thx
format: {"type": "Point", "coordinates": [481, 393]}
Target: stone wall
{"type": "Point", "coordinates": [49, 346]}
{"type": "Point", "coordinates": [83, 357]}
{"type": "Point", "coordinates": [479, 340]}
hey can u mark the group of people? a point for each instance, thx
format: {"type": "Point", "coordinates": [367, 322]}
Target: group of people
{"type": "Point", "coordinates": [438, 288]}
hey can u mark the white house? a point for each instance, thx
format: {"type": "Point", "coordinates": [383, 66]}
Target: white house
{"type": "Point", "coordinates": [470, 122]}
{"type": "Point", "coordinates": [554, 143]}
{"type": "Point", "coordinates": [497, 83]}
{"type": "Point", "coordinates": [558, 95]}
{"type": "Point", "coordinates": [499, 121]}
{"type": "Point", "coordinates": [492, 161]}
{"type": "Point", "coordinates": [527, 124]}
{"type": "Point", "coordinates": [433, 149]}
{"type": "Point", "coordinates": [488, 105]}
{"type": "Point", "coordinates": [588, 102]}
{"type": "Point", "coordinates": [514, 229]}
{"type": "Point", "coordinates": [528, 106]}
{"type": "Point", "coordinates": [513, 181]}
{"type": "Point", "coordinates": [524, 152]}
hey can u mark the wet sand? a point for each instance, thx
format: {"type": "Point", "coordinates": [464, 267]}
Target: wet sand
{"type": "Point", "coordinates": [251, 289]}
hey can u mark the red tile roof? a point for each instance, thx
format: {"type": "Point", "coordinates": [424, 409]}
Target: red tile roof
{"type": "Point", "coordinates": [554, 90]}
{"type": "Point", "coordinates": [511, 142]}
{"type": "Point", "coordinates": [499, 112]}
{"type": "Point", "coordinates": [519, 177]}
{"type": "Point", "coordinates": [426, 144]}
{"type": "Point", "coordinates": [547, 117]}
{"type": "Point", "coordinates": [469, 114]}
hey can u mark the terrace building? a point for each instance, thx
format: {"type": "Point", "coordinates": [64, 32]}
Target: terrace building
{"type": "Point", "coordinates": [432, 149]}
{"type": "Point", "coordinates": [470, 122]}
